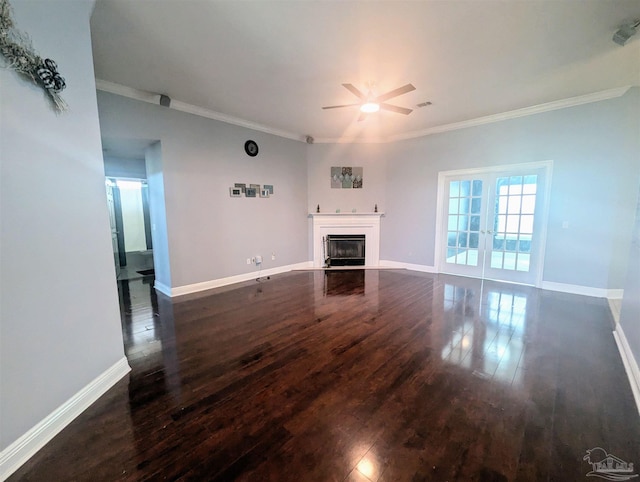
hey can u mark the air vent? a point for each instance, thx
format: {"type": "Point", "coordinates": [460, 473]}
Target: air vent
{"type": "Point", "coordinates": [424, 104]}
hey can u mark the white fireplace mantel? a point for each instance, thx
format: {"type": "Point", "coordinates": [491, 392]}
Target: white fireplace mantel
{"type": "Point", "coordinates": [368, 224]}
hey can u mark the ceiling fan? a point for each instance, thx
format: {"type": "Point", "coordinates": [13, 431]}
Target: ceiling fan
{"type": "Point", "coordinates": [371, 103]}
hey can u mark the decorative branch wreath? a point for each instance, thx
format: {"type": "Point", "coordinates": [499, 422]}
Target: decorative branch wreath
{"type": "Point", "coordinates": [16, 48]}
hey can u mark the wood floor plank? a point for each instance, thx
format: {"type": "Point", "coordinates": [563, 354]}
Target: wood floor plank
{"type": "Point", "coordinates": [358, 375]}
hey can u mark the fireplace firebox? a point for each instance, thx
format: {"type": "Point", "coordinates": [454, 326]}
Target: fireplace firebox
{"type": "Point", "coordinates": [345, 250]}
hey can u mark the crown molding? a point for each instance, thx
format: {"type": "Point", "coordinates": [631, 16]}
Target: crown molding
{"type": "Point", "coordinates": [351, 140]}
{"type": "Point", "coordinates": [131, 93]}
{"type": "Point", "coordinates": [514, 114]}
{"type": "Point", "coordinates": [151, 98]}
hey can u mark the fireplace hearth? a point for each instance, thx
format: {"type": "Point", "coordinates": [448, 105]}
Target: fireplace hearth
{"type": "Point", "coordinates": [345, 250]}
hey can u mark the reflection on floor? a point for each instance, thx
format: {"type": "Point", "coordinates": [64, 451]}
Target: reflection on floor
{"type": "Point", "coordinates": [492, 344]}
{"type": "Point", "coordinates": [371, 376]}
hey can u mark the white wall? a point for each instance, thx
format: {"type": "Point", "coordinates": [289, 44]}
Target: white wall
{"type": "Point", "coordinates": [133, 220]}
{"type": "Point", "coordinates": [210, 234]}
{"type": "Point", "coordinates": [60, 319]}
{"type": "Point", "coordinates": [596, 154]}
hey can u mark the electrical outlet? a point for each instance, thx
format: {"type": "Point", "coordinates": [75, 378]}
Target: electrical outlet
{"type": "Point", "coordinates": [273, 256]}
{"type": "Point", "coordinates": [248, 260]}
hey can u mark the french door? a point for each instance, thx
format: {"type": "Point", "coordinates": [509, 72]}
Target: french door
{"type": "Point", "coordinates": [492, 223]}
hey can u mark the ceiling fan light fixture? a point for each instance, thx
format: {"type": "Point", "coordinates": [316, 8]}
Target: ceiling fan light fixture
{"type": "Point", "coordinates": [370, 107]}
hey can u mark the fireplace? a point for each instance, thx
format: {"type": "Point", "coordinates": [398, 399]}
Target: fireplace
{"type": "Point", "coordinates": [350, 224]}
{"type": "Point", "coordinates": [345, 249]}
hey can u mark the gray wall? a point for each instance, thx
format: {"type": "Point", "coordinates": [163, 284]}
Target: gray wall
{"type": "Point", "coordinates": [595, 149]}
{"type": "Point", "coordinates": [371, 157]}
{"type": "Point", "coordinates": [118, 167]}
{"type": "Point", "coordinates": [59, 314]}
{"type": "Point", "coordinates": [157, 215]}
{"type": "Point", "coordinates": [630, 312]}
{"type": "Point", "coordinates": [210, 234]}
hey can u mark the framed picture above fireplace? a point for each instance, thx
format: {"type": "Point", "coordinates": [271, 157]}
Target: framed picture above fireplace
{"type": "Point", "coordinates": [346, 177]}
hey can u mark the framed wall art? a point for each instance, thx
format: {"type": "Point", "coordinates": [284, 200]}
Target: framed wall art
{"type": "Point", "coordinates": [346, 177]}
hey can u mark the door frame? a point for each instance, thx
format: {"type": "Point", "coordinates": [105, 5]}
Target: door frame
{"type": "Point", "coordinates": [544, 215]}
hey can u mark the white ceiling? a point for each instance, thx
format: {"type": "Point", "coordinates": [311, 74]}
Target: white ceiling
{"type": "Point", "coordinates": [276, 63]}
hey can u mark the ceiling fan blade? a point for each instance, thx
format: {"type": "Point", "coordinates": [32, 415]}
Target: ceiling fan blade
{"type": "Point", "coordinates": [362, 117]}
{"type": "Point", "coordinates": [395, 108]}
{"type": "Point", "coordinates": [339, 106]}
{"type": "Point", "coordinates": [351, 88]}
{"type": "Point", "coordinates": [395, 93]}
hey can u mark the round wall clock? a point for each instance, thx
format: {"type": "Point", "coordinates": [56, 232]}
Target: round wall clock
{"type": "Point", "coordinates": [251, 148]}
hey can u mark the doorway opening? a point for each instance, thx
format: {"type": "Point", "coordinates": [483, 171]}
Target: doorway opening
{"type": "Point", "coordinates": [130, 227]}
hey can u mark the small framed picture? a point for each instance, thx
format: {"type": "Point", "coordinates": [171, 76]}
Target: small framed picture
{"type": "Point", "coordinates": [235, 192]}
{"type": "Point", "coordinates": [241, 185]}
{"type": "Point", "coordinates": [250, 192]}
{"type": "Point", "coordinates": [264, 193]}
{"type": "Point", "coordinates": [255, 186]}
{"type": "Point", "coordinates": [268, 187]}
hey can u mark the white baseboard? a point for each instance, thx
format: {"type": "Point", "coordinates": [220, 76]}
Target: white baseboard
{"type": "Point", "coordinates": [413, 267]}
{"type": "Point", "coordinates": [615, 294]}
{"type": "Point", "coordinates": [16, 454]}
{"type": "Point", "coordinates": [582, 290]}
{"type": "Point", "coordinates": [217, 283]}
{"type": "Point", "coordinates": [630, 363]}
{"type": "Point", "coordinates": [615, 306]}
{"type": "Point", "coordinates": [546, 285]}
{"type": "Point", "coordinates": [207, 285]}
{"type": "Point", "coordinates": [162, 288]}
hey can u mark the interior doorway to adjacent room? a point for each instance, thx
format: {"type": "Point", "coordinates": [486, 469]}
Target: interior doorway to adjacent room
{"type": "Point", "coordinates": [129, 216]}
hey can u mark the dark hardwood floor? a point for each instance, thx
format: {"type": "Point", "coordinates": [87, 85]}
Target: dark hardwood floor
{"type": "Point", "coordinates": [355, 376]}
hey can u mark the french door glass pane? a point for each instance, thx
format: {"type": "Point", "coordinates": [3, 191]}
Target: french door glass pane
{"type": "Point", "coordinates": [528, 204]}
{"type": "Point", "coordinates": [496, 259]}
{"type": "Point", "coordinates": [473, 240]}
{"type": "Point", "coordinates": [523, 262]}
{"type": "Point", "coordinates": [463, 224]}
{"type": "Point", "coordinates": [530, 185]}
{"type": "Point", "coordinates": [514, 213]}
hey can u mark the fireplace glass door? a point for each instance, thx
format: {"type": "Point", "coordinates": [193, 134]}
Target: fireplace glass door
{"type": "Point", "coordinates": [346, 249]}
